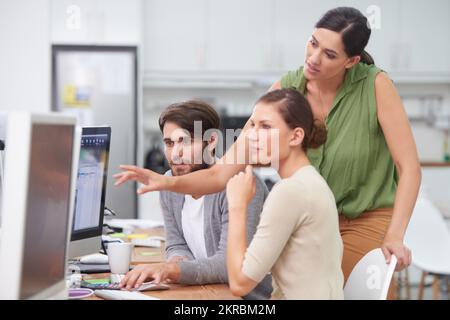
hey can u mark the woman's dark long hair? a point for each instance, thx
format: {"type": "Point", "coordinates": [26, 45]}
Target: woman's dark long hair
{"type": "Point", "coordinates": [354, 28]}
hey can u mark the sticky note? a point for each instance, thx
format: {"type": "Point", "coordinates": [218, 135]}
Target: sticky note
{"type": "Point", "coordinates": [149, 253]}
{"type": "Point", "coordinates": [117, 235]}
{"type": "Point", "coordinates": [75, 96]}
{"type": "Point", "coordinates": [138, 236]}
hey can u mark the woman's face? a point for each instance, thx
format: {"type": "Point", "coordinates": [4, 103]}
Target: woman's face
{"type": "Point", "coordinates": [325, 55]}
{"type": "Point", "coordinates": [269, 138]}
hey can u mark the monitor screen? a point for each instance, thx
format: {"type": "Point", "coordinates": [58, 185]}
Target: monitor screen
{"type": "Point", "coordinates": [48, 203]}
{"type": "Point", "coordinates": [91, 183]}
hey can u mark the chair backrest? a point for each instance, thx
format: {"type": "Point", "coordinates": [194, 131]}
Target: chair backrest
{"type": "Point", "coordinates": [428, 238]}
{"type": "Point", "coordinates": [370, 278]}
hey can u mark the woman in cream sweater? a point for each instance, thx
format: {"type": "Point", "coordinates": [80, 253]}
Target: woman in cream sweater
{"type": "Point", "coordinates": [297, 238]}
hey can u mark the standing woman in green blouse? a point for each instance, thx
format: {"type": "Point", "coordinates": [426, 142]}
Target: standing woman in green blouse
{"type": "Point", "coordinates": [370, 159]}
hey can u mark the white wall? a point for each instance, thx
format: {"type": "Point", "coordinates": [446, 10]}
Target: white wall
{"type": "Point", "coordinates": [30, 27]}
{"type": "Point", "coordinates": [25, 55]}
{"type": "Point", "coordinates": [115, 22]}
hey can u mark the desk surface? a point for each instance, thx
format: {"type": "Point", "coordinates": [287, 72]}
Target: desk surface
{"type": "Point", "coordinates": [176, 291]}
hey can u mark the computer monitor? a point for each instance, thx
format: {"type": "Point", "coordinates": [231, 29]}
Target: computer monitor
{"type": "Point", "coordinates": [39, 186]}
{"type": "Point", "coordinates": [90, 191]}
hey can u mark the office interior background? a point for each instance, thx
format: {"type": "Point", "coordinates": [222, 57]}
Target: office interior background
{"type": "Point", "coordinates": [227, 53]}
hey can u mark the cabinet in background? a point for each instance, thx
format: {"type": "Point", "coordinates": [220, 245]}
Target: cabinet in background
{"type": "Point", "coordinates": [250, 40]}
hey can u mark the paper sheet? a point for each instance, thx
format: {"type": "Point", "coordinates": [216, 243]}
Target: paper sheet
{"type": "Point", "coordinates": [134, 223]}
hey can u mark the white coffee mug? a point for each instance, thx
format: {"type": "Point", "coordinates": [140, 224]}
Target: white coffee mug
{"type": "Point", "coordinates": [119, 255]}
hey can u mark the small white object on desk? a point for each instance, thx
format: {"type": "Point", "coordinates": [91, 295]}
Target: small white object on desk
{"type": "Point", "coordinates": [74, 280]}
{"type": "Point", "coordinates": [122, 295]}
{"type": "Point", "coordinates": [115, 278]}
{"type": "Point", "coordinates": [95, 258]}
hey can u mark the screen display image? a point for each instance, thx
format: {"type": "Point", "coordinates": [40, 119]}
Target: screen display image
{"type": "Point", "coordinates": [91, 175]}
{"type": "Point", "coordinates": [91, 183]}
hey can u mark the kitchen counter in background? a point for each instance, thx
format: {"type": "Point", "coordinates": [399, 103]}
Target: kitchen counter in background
{"type": "Point", "coordinates": [431, 164]}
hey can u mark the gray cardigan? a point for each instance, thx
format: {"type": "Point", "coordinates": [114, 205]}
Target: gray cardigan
{"type": "Point", "coordinates": [213, 268]}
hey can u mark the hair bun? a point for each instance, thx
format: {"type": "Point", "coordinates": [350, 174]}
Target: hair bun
{"type": "Point", "coordinates": [318, 135]}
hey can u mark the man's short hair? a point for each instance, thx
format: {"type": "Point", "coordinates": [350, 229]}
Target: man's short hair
{"type": "Point", "coordinates": [185, 113]}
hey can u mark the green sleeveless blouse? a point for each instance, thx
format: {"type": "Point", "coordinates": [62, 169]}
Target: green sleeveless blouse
{"type": "Point", "coordinates": [355, 160]}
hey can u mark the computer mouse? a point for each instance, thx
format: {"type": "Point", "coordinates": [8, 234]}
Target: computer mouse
{"type": "Point", "coordinates": [95, 258]}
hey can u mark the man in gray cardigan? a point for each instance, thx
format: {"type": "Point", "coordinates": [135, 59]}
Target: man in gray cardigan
{"type": "Point", "coordinates": [196, 228]}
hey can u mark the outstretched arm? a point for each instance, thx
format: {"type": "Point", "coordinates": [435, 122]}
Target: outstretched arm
{"type": "Point", "coordinates": [198, 183]}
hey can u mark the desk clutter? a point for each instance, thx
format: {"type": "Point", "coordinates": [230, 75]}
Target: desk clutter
{"type": "Point", "coordinates": [79, 227]}
{"type": "Point", "coordinates": [130, 225]}
{"type": "Point", "coordinates": [128, 230]}
{"type": "Point", "coordinates": [138, 239]}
